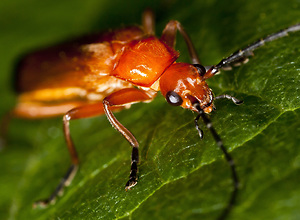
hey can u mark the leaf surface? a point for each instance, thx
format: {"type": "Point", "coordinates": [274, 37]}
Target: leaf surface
{"type": "Point", "coordinates": [180, 176]}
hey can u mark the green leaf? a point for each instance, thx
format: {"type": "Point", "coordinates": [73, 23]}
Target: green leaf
{"type": "Point", "coordinates": [180, 176]}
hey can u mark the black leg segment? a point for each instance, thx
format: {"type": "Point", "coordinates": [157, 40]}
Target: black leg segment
{"type": "Point", "coordinates": [134, 169]}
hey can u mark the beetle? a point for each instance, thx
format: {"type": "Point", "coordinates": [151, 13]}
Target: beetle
{"type": "Point", "coordinates": [104, 72]}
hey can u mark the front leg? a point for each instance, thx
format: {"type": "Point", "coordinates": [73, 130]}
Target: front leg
{"type": "Point", "coordinates": [120, 98]}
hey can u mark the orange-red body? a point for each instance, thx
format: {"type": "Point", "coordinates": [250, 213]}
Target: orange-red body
{"type": "Point", "coordinates": [104, 72]}
{"type": "Point", "coordinates": [52, 81]}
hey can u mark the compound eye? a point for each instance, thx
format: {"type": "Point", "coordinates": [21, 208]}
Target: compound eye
{"type": "Point", "coordinates": [201, 69]}
{"type": "Point", "coordinates": [173, 98]}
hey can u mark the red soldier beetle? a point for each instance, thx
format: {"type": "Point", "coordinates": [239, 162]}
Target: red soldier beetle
{"type": "Point", "coordinates": [102, 73]}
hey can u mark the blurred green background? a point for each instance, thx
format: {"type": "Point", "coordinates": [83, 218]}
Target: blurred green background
{"type": "Point", "coordinates": [181, 177]}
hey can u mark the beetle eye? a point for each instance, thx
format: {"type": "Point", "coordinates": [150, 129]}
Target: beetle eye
{"type": "Point", "coordinates": [173, 98]}
{"type": "Point", "coordinates": [201, 69]}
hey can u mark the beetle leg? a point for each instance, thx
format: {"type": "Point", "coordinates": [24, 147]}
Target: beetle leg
{"type": "Point", "coordinates": [233, 99]}
{"type": "Point", "coordinates": [119, 98]}
{"type": "Point", "coordinates": [200, 132]}
{"type": "Point", "coordinates": [85, 111]}
{"type": "Point", "coordinates": [148, 21]}
{"type": "Point", "coordinates": [169, 37]}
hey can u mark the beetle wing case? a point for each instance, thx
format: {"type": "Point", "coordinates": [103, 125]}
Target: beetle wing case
{"type": "Point", "coordinates": [72, 64]}
{"type": "Point", "coordinates": [56, 79]}
{"type": "Point", "coordinates": [74, 70]}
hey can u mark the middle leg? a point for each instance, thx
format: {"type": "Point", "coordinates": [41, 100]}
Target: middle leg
{"type": "Point", "coordinates": [120, 98]}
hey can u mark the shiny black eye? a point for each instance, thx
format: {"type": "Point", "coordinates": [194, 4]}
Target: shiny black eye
{"type": "Point", "coordinates": [201, 69]}
{"type": "Point", "coordinates": [173, 98]}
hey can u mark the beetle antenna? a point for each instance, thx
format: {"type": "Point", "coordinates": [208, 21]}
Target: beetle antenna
{"type": "Point", "coordinates": [228, 157]}
{"type": "Point", "coordinates": [241, 55]}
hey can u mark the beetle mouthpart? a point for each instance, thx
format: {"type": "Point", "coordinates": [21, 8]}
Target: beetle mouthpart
{"type": "Point", "coordinates": [197, 106]}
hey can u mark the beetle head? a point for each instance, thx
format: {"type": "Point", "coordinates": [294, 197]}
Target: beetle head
{"type": "Point", "coordinates": [183, 85]}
